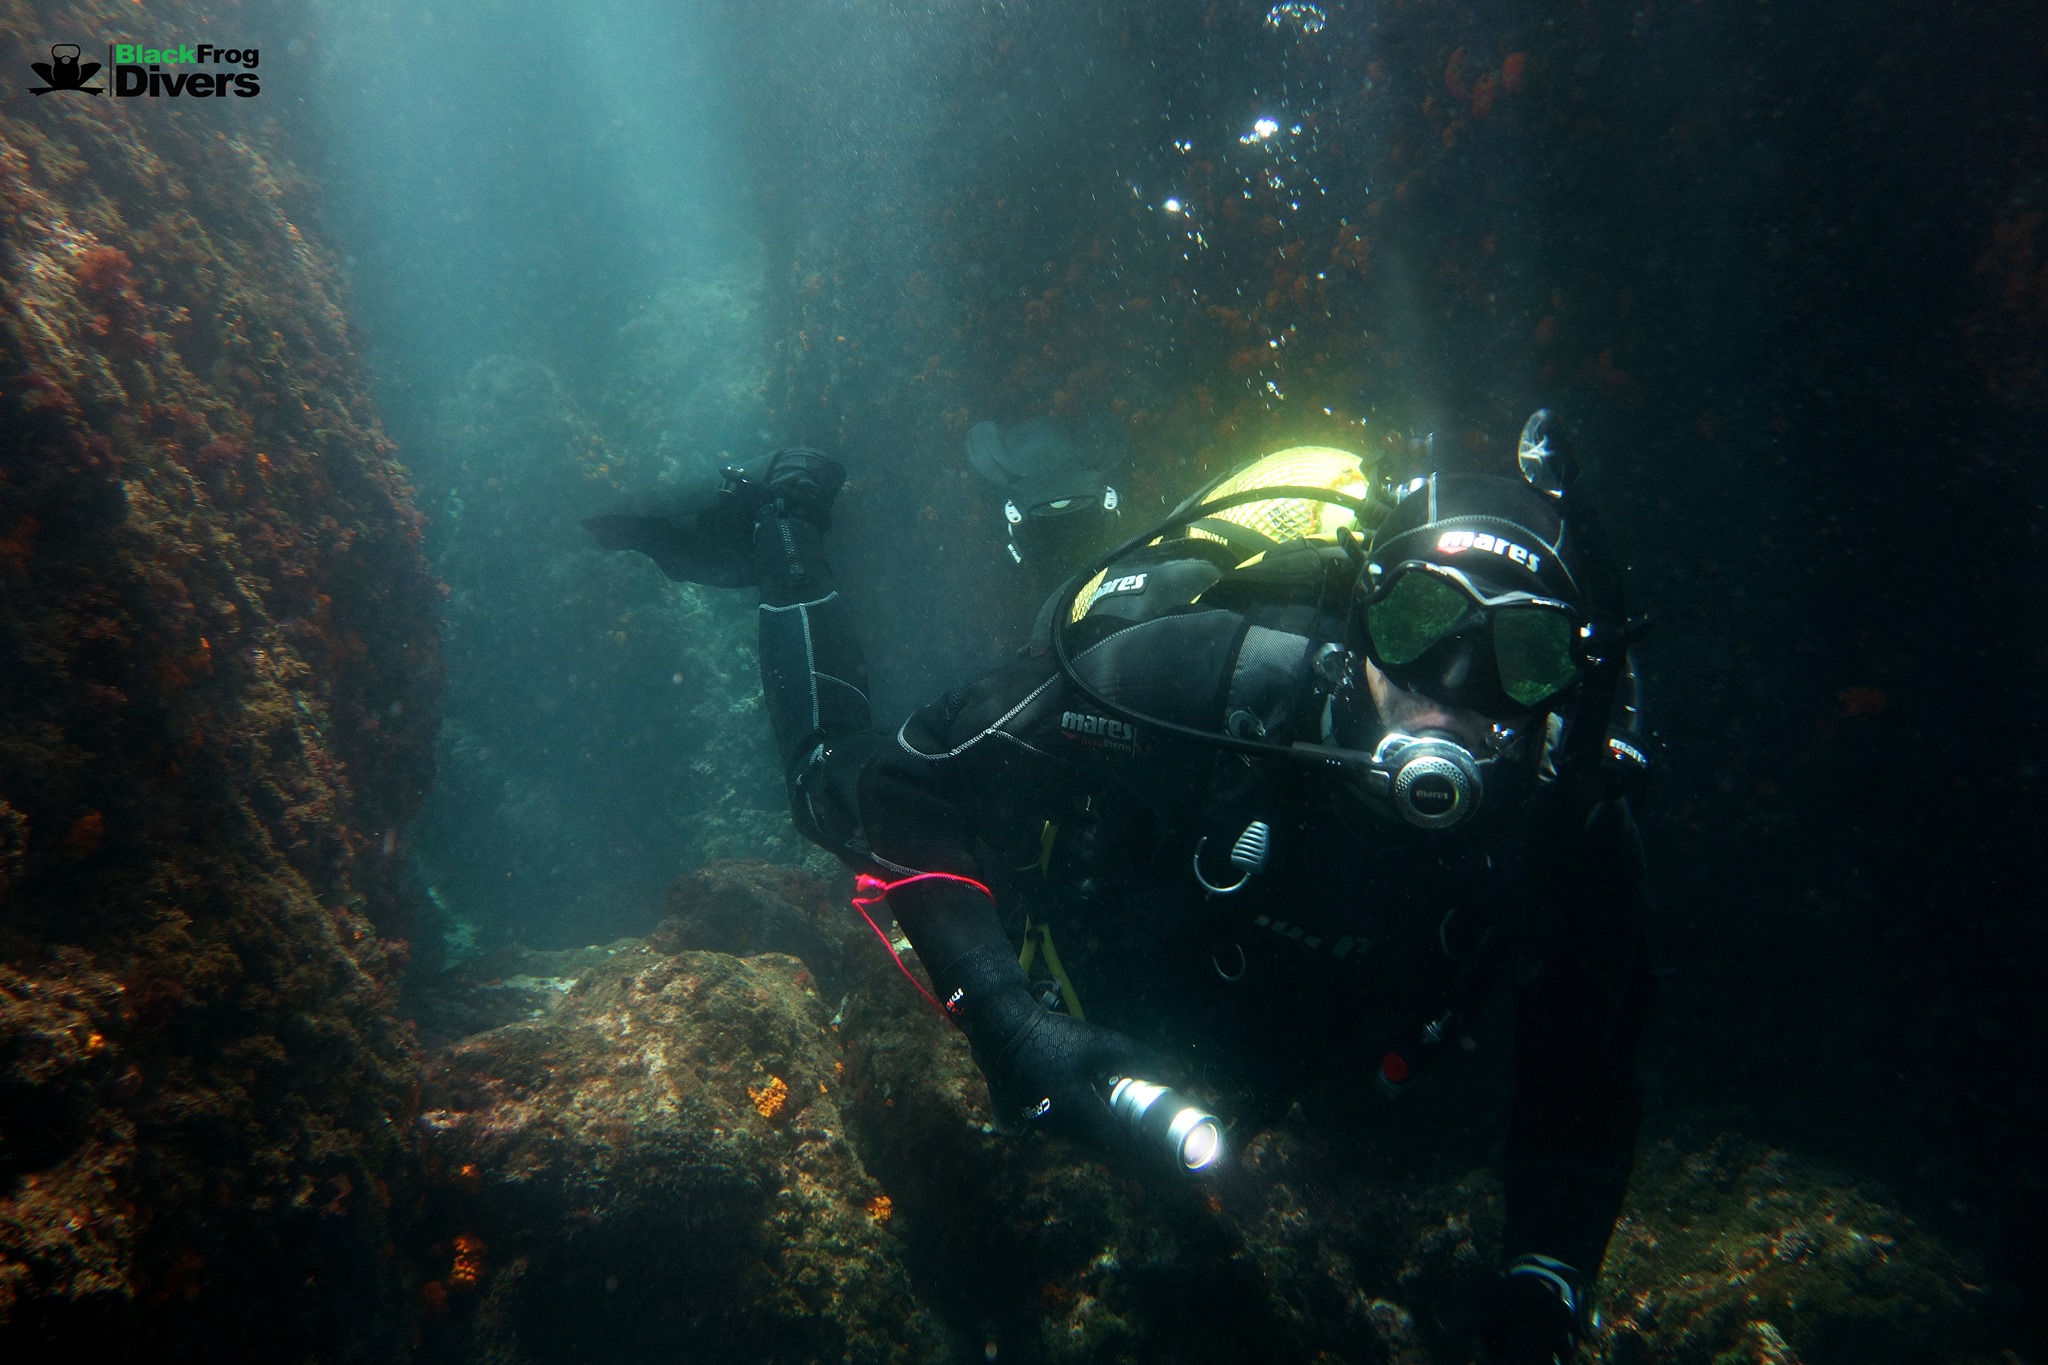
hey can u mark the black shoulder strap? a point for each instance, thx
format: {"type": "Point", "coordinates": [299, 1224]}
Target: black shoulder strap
{"type": "Point", "coordinates": [1142, 585]}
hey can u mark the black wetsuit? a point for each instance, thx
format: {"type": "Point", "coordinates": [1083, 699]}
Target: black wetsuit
{"type": "Point", "coordinates": [1356, 930]}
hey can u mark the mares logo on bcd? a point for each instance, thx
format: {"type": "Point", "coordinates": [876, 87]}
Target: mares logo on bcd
{"type": "Point", "coordinates": [1099, 732]}
{"type": "Point", "coordinates": [152, 71]}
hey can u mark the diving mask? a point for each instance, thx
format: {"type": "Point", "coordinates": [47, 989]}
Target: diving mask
{"type": "Point", "coordinates": [1433, 628]}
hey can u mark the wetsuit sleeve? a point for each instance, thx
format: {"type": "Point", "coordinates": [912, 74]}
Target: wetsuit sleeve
{"type": "Point", "coordinates": [928, 801]}
{"type": "Point", "coordinates": [1579, 1015]}
{"type": "Point", "coordinates": [894, 811]}
{"type": "Point", "coordinates": [887, 814]}
{"type": "Point", "coordinates": [884, 806]}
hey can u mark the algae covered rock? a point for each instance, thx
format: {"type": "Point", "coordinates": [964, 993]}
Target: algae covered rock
{"type": "Point", "coordinates": [62, 1148]}
{"type": "Point", "coordinates": [219, 670]}
{"type": "Point", "coordinates": [1732, 1252]}
{"type": "Point", "coordinates": [661, 1162]}
{"type": "Point", "coordinates": [743, 906]}
{"type": "Point", "coordinates": [505, 985]}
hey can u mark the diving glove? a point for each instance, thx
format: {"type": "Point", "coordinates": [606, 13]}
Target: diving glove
{"type": "Point", "coordinates": [1044, 1070]}
{"type": "Point", "coordinates": [1533, 1313]}
{"type": "Point", "coordinates": [1052, 1071]}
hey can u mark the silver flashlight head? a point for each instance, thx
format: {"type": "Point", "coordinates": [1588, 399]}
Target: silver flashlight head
{"type": "Point", "coordinates": [1168, 1122]}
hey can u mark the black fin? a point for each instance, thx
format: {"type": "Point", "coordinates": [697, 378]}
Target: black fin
{"type": "Point", "coordinates": [713, 547]}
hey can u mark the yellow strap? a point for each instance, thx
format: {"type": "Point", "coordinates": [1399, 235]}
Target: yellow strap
{"type": "Point", "coordinates": [1045, 838]}
{"type": "Point", "coordinates": [1040, 935]}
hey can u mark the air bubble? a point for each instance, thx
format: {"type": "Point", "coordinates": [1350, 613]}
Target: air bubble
{"type": "Point", "coordinates": [1303, 19]}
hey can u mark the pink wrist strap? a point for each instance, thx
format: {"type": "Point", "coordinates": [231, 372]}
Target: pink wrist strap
{"type": "Point", "coordinates": [878, 890]}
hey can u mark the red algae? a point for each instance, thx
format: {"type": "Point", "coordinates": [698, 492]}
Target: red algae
{"type": "Point", "coordinates": [1484, 91]}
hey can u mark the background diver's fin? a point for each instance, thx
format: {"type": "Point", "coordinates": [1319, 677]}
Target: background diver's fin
{"type": "Point", "coordinates": [1040, 465]}
{"type": "Point", "coordinates": [620, 532]}
{"type": "Point", "coordinates": [1043, 448]}
{"type": "Point", "coordinates": [713, 547]}
{"type": "Point", "coordinates": [707, 534]}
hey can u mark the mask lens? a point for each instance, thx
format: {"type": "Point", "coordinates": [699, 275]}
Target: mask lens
{"type": "Point", "coordinates": [1532, 647]}
{"type": "Point", "coordinates": [1417, 611]}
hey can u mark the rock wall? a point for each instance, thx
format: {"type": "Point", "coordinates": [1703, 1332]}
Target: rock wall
{"type": "Point", "coordinates": [664, 1156]}
{"type": "Point", "coordinates": [219, 666]}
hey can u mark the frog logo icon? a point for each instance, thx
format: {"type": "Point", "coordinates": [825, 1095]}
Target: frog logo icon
{"type": "Point", "coordinates": [63, 72]}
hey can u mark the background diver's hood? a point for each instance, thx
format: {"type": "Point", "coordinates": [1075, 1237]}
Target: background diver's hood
{"type": "Point", "coordinates": [1036, 464]}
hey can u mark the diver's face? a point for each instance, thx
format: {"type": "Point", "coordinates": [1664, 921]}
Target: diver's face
{"type": "Point", "coordinates": [1414, 712]}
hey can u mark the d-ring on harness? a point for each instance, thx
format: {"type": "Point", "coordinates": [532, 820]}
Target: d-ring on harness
{"type": "Point", "coordinates": [1248, 853]}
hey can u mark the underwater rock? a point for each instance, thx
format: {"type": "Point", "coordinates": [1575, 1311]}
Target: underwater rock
{"type": "Point", "coordinates": [221, 667]}
{"type": "Point", "coordinates": [744, 907]}
{"type": "Point", "coordinates": [1343, 1237]}
{"type": "Point", "coordinates": [650, 1151]}
{"type": "Point", "coordinates": [61, 1147]}
{"type": "Point", "coordinates": [654, 1153]}
{"type": "Point", "coordinates": [504, 986]}
{"type": "Point", "coordinates": [1732, 1252]}
{"type": "Point", "coordinates": [664, 1155]}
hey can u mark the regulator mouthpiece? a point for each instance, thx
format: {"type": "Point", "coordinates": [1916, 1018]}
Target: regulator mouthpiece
{"type": "Point", "coordinates": [1167, 1121]}
{"type": "Point", "coordinates": [1428, 781]}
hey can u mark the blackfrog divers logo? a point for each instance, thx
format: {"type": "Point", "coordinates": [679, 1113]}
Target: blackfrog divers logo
{"type": "Point", "coordinates": [152, 71]}
{"type": "Point", "coordinates": [62, 72]}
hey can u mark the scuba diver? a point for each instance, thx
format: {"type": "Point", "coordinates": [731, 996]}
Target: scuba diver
{"type": "Point", "coordinates": [1322, 763]}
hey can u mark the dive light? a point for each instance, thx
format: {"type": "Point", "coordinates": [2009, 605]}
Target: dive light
{"type": "Point", "coordinates": [1166, 1120]}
